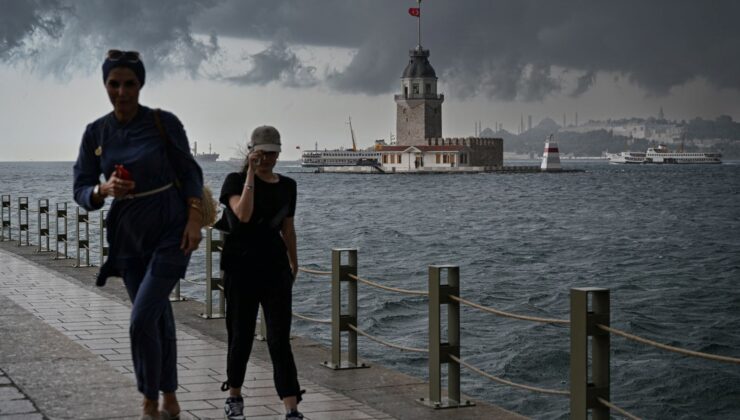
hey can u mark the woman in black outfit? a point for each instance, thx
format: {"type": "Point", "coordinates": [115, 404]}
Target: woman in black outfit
{"type": "Point", "coordinates": [260, 262]}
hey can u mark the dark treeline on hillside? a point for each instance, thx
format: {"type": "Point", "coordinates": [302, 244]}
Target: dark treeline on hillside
{"type": "Point", "coordinates": [722, 131]}
{"type": "Point", "coordinates": [593, 143]}
{"type": "Point", "coordinates": [721, 128]}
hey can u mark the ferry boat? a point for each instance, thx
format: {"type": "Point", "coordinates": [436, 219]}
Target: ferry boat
{"type": "Point", "coordinates": [661, 154]}
{"type": "Point", "coordinates": [204, 157]}
{"type": "Point", "coordinates": [340, 157]}
{"type": "Point", "coordinates": [626, 157]}
{"type": "Point", "coordinates": [316, 158]}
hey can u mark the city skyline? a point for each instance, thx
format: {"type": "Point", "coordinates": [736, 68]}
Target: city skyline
{"type": "Point", "coordinates": [305, 67]}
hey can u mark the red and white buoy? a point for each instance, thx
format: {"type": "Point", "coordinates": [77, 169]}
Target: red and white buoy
{"type": "Point", "coordinates": [551, 157]}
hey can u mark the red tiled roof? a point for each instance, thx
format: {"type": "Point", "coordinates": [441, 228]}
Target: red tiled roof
{"type": "Point", "coordinates": [440, 148]}
{"type": "Point", "coordinates": [453, 148]}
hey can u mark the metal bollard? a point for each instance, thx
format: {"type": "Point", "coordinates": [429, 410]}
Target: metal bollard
{"type": "Point", "coordinates": [103, 227]}
{"type": "Point", "coordinates": [83, 244]}
{"type": "Point", "coordinates": [339, 321]}
{"type": "Point", "coordinates": [439, 351]}
{"type": "Point", "coordinates": [23, 220]}
{"type": "Point", "coordinates": [5, 218]}
{"type": "Point", "coordinates": [583, 394]}
{"type": "Point", "coordinates": [61, 230]}
{"type": "Point", "coordinates": [213, 283]}
{"type": "Point", "coordinates": [175, 295]}
{"type": "Point", "coordinates": [43, 226]}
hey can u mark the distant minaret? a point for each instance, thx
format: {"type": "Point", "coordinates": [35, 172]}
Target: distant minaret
{"type": "Point", "coordinates": [661, 116]}
{"type": "Point", "coordinates": [521, 124]}
{"type": "Point", "coordinates": [563, 120]}
{"type": "Point", "coordinates": [529, 122]}
{"type": "Point", "coordinates": [576, 119]}
{"type": "Point", "coordinates": [418, 107]}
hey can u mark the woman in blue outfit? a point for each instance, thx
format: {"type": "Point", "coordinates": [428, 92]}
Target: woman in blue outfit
{"type": "Point", "coordinates": [260, 261]}
{"type": "Point", "coordinates": [152, 226]}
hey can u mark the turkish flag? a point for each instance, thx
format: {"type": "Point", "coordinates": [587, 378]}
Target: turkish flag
{"type": "Point", "coordinates": [298, 147]}
{"type": "Point", "coordinates": [415, 11]}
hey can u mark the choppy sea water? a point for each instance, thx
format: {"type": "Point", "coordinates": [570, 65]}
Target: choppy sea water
{"type": "Point", "coordinates": [664, 239]}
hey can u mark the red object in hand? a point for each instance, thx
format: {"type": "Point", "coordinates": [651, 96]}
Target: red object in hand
{"type": "Point", "coordinates": [123, 173]}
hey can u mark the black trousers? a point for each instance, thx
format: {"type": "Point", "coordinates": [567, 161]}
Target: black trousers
{"type": "Point", "coordinates": [244, 293]}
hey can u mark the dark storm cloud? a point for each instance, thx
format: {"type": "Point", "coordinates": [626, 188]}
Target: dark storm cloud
{"type": "Point", "coordinates": [62, 37]}
{"type": "Point", "coordinates": [506, 49]}
{"type": "Point", "coordinates": [584, 83]}
{"type": "Point", "coordinates": [21, 20]}
{"type": "Point", "coordinates": [277, 63]}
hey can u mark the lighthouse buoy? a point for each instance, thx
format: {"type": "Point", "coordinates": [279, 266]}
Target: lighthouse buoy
{"type": "Point", "coordinates": [551, 156]}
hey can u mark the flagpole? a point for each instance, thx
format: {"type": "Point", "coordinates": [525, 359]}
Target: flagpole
{"type": "Point", "coordinates": [419, 22]}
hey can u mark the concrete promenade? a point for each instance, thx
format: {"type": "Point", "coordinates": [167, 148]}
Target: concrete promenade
{"type": "Point", "coordinates": [64, 353]}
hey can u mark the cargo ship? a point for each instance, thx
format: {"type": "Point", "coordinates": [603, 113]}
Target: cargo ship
{"type": "Point", "coordinates": [204, 157]}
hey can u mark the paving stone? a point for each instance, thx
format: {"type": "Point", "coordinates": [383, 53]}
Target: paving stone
{"type": "Point", "coordinates": [16, 407]}
{"type": "Point", "coordinates": [8, 393]}
{"type": "Point", "coordinates": [25, 416]}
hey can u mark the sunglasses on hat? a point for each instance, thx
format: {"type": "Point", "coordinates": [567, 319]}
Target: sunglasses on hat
{"type": "Point", "coordinates": [127, 56]}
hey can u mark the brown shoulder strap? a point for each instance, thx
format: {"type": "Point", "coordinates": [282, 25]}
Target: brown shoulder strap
{"type": "Point", "coordinates": [168, 145]}
{"type": "Point", "coordinates": [160, 127]}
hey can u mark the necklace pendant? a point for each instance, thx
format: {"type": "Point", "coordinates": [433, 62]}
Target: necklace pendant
{"type": "Point", "coordinates": [98, 151]}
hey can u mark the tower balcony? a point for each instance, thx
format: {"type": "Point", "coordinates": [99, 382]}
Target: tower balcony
{"type": "Point", "coordinates": [420, 96]}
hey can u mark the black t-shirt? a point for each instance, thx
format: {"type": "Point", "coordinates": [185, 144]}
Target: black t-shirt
{"type": "Point", "coordinates": [258, 239]}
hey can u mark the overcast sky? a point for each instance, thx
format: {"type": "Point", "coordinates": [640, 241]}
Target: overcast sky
{"type": "Point", "coordinates": [304, 66]}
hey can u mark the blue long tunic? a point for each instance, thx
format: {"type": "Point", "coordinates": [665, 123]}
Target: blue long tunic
{"type": "Point", "coordinates": [146, 230]}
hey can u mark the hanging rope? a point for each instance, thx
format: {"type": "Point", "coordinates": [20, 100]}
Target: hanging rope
{"type": "Point", "coordinates": [505, 382]}
{"type": "Point", "coordinates": [509, 314]}
{"type": "Point", "coordinates": [726, 359]}
{"type": "Point", "coordinates": [386, 343]}
{"type": "Point", "coordinates": [391, 289]}
{"type": "Point", "coordinates": [306, 318]}
{"type": "Point", "coordinates": [310, 271]}
{"type": "Point", "coordinates": [617, 409]}
{"type": "Point", "coordinates": [194, 281]}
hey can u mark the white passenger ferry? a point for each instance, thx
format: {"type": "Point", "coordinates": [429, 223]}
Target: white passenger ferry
{"type": "Point", "coordinates": [317, 158]}
{"type": "Point", "coordinates": [626, 157]}
{"type": "Point", "coordinates": [341, 157]}
{"type": "Point", "coordinates": [661, 154]}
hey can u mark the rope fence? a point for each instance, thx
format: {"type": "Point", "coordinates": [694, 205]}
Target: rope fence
{"type": "Point", "coordinates": [386, 343]}
{"type": "Point", "coordinates": [391, 289]}
{"type": "Point", "coordinates": [726, 359]}
{"type": "Point", "coordinates": [509, 314]}
{"type": "Point", "coordinates": [507, 382]}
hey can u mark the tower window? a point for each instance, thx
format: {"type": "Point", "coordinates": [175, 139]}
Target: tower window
{"type": "Point", "coordinates": [428, 88]}
{"type": "Point", "coordinates": [415, 88]}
